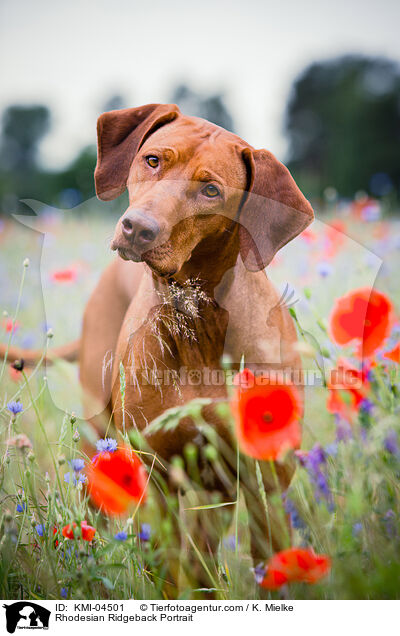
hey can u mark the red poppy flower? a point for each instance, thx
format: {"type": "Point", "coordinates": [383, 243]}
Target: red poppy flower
{"type": "Point", "coordinates": [87, 531]}
{"type": "Point", "coordinates": [363, 315]}
{"type": "Point", "coordinates": [267, 417]}
{"type": "Point", "coordinates": [393, 354]}
{"type": "Point", "coordinates": [308, 236]}
{"type": "Point", "coordinates": [116, 479]}
{"type": "Point", "coordinates": [348, 387]}
{"type": "Point", "coordinates": [244, 380]}
{"type": "Point", "coordinates": [9, 325]}
{"type": "Point", "coordinates": [67, 275]}
{"type": "Point", "coordinates": [295, 565]}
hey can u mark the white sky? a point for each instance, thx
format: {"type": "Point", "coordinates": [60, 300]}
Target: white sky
{"type": "Point", "coordinates": [74, 54]}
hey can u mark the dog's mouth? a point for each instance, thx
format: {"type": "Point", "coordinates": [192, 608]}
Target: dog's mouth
{"type": "Point", "coordinates": [156, 258]}
{"type": "Point", "coordinates": [159, 260]}
{"type": "Point", "coordinates": [127, 254]}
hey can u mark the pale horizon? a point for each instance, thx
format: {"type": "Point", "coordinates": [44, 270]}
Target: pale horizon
{"type": "Point", "coordinates": [73, 57]}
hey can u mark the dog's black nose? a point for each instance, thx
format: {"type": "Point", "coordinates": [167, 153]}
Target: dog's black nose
{"type": "Point", "coordinates": [139, 229]}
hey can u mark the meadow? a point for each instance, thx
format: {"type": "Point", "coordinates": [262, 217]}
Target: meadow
{"type": "Point", "coordinates": [344, 500]}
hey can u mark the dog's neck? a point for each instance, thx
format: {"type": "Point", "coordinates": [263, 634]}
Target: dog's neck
{"type": "Point", "coordinates": [210, 261]}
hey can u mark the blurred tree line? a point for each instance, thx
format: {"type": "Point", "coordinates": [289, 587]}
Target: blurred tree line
{"type": "Point", "coordinates": [343, 127]}
{"type": "Point", "coordinates": [23, 177]}
{"type": "Point", "coordinates": [342, 124]}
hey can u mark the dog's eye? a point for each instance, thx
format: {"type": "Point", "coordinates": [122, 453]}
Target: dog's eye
{"type": "Point", "coordinates": [152, 161]}
{"type": "Point", "coordinates": [211, 191]}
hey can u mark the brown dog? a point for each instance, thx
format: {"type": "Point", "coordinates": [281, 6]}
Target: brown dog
{"type": "Point", "coordinates": [206, 215]}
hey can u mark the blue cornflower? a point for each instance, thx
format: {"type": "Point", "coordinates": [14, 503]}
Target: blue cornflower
{"type": "Point", "coordinates": [331, 449]}
{"type": "Point", "coordinates": [366, 406]}
{"type": "Point", "coordinates": [314, 462]}
{"type": "Point", "coordinates": [391, 442]}
{"type": "Point", "coordinates": [121, 536]}
{"type": "Point", "coordinates": [322, 489]}
{"type": "Point", "coordinates": [389, 520]}
{"type": "Point", "coordinates": [324, 269]}
{"type": "Point", "coordinates": [77, 464]}
{"type": "Point", "coordinates": [21, 507]}
{"type": "Point", "coordinates": [259, 573]}
{"type": "Point", "coordinates": [139, 570]}
{"type": "Point", "coordinates": [145, 532]}
{"type": "Point", "coordinates": [107, 445]}
{"type": "Point", "coordinates": [295, 520]}
{"type": "Point", "coordinates": [343, 429]}
{"type": "Point", "coordinates": [357, 528]}
{"type": "Point", "coordinates": [316, 456]}
{"type": "Point", "coordinates": [64, 592]}
{"type": "Point", "coordinates": [230, 542]}
{"type": "Point", "coordinates": [40, 529]}
{"type": "Point", "coordinates": [78, 478]}
{"type": "Point", "coordinates": [15, 407]}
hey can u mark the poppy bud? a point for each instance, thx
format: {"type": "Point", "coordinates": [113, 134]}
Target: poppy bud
{"type": "Point", "coordinates": [18, 365]}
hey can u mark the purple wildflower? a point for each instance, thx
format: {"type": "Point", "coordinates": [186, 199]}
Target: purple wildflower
{"type": "Point", "coordinates": [369, 374]}
{"type": "Point", "coordinates": [145, 532]}
{"type": "Point", "coordinates": [230, 542]}
{"type": "Point", "coordinates": [107, 445]}
{"type": "Point", "coordinates": [295, 519]}
{"type": "Point", "coordinates": [64, 592]}
{"type": "Point", "coordinates": [366, 406]}
{"type": "Point", "coordinates": [314, 462]}
{"type": "Point", "coordinates": [324, 269]}
{"type": "Point", "coordinates": [40, 529]}
{"type": "Point", "coordinates": [259, 573]}
{"type": "Point", "coordinates": [322, 488]}
{"type": "Point", "coordinates": [391, 442]}
{"type": "Point", "coordinates": [77, 464]}
{"type": "Point", "coordinates": [121, 536]}
{"type": "Point", "coordinates": [331, 449]}
{"type": "Point", "coordinates": [21, 507]}
{"type": "Point", "coordinates": [357, 528]}
{"type": "Point", "coordinates": [343, 430]}
{"type": "Point", "coordinates": [15, 407]}
{"type": "Point", "coordinates": [389, 520]}
{"type": "Point", "coordinates": [316, 456]}
{"type": "Point", "coordinates": [77, 478]}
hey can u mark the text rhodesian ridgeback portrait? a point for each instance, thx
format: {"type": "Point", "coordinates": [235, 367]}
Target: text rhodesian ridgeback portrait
{"type": "Point", "coordinates": [206, 215]}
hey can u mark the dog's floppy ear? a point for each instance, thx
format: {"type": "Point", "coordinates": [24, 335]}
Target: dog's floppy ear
{"type": "Point", "coordinates": [274, 210]}
{"type": "Point", "coordinates": [120, 133]}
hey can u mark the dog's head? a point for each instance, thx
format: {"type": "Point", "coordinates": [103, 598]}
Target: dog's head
{"type": "Point", "coordinates": [190, 181]}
